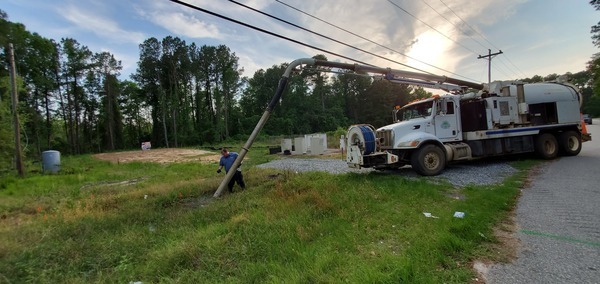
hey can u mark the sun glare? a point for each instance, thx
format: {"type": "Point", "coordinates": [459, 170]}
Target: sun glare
{"type": "Point", "coordinates": [429, 47]}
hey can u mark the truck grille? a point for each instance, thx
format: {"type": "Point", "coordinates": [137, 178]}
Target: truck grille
{"type": "Point", "coordinates": [385, 138]}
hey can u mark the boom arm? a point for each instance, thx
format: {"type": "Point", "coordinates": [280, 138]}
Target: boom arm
{"type": "Point", "coordinates": [394, 74]}
{"type": "Point", "coordinates": [426, 84]}
{"type": "Point", "coordinates": [408, 77]}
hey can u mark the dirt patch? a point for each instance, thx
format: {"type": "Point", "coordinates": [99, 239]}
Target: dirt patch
{"type": "Point", "coordinates": [505, 249]}
{"type": "Point", "coordinates": [167, 155]}
{"type": "Point", "coordinates": [197, 202]}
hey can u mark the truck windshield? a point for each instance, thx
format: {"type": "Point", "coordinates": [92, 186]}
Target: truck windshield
{"type": "Point", "coordinates": [414, 111]}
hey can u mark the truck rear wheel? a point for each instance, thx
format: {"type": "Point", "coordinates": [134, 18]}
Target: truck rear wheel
{"type": "Point", "coordinates": [570, 143]}
{"type": "Point", "coordinates": [429, 160]}
{"type": "Point", "coordinates": [546, 146]}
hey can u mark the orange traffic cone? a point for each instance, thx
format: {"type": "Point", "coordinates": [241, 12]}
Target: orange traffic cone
{"type": "Point", "coordinates": [583, 128]}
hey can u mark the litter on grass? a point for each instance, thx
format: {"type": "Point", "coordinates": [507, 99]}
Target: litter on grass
{"type": "Point", "coordinates": [459, 214]}
{"type": "Point", "coordinates": [428, 215]}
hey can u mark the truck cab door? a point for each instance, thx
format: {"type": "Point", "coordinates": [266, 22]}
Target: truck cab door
{"type": "Point", "coordinates": [446, 121]}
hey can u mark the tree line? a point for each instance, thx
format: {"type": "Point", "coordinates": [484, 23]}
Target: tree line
{"type": "Point", "coordinates": [72, 99]}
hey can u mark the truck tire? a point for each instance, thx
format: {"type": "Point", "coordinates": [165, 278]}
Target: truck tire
{"type": "Point", "coordinates": [546, 146]}
{"type": "Point", "coordinates": [570, 143]}
{"type": "Point", "coordinates": [429, 160]}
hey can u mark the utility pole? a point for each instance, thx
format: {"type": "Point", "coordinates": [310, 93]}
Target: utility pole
{"type": "Point", "coordinates": [489, 57]}
{"type": "Point", "coordinates": [15, 102]}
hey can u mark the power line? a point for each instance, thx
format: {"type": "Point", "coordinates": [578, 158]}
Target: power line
{"type": "Point", "coordinates": [461, 30]}
{"type": "Point", "coordinates": [503, 66]}
{"type": "Point", "coordinates": [415, 17]}
{"type": "Point", "coordinates": [267, 32]}
{"type": "Point", "coordinates": [457, 27]}
{"type": "Point", "coordinates": [508, 68]}
{"type": "Point", "coordinates": [444, 35]}
{"type": "Point", "coordinates": [489, 72]}
{"type": "Point", "coordinates": [465, 22]}
{"type": "Point", "coordinates": [510, 61]}
{"type": "Point", "coordinates": [326, 37]}
{"type": "Point", "coordinates": [496, 68]}
{"type": "Point", "coordinates": [373, 42]}
{"type": "Point", "coordinates": [482, 36]}
{"type": "Point", "coordinates": [441, 32]}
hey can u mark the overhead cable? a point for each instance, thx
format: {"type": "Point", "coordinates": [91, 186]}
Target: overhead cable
{"type": "Point", "coordinates": [267, 32]}
{"type": "Point", "coordinates": [441, 33]}
{"type": "Point", "coordinates": [482, 36]}
{"type": "Point", "coordinates": [457, 27]}
{"type": "Point", "coordinates": [465, 33]}
{"type": "Point", "coordinates": [327, 37]}
{"type": "Point", "coordinates": [465, 22]}
{"type": "Point", "coordinates": [373, 42]}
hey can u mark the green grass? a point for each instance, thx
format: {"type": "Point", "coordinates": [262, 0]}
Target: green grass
{"type": "Point", "coordinates": [83, 226]}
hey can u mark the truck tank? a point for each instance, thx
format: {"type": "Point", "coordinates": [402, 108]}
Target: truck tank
{"type": "Point", "coordinates": [548, 92]}
{"type": "Point", "coordinates": [540, 103]}
{"type": "Point", "coordinates": [552, 100]}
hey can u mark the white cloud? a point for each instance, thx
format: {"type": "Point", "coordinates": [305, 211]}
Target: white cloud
{"type": "Point", "coordinates": [250, 65]}
{"type": "Point", "coordinates": [185, 25]}
{"type": "Point", "coordinates": [364, 20]}
{"type": "Point", "coordinates": [519, 27]}
{"type": "Point", "coordinates": [258, 4]}
{"type": "Point", "coordinates": [105, 28]}
{"type": "Point", "coordinates": [184, 21]}
{"type": "Point", "coordinates": [385, 24]}
{"type": "Point", "coordinates": [378, 21]}
{"type": "Point", "coordinates": [485, 12]}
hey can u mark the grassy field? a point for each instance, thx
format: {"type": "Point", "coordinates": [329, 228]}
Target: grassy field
{"type": "Point", "coordinates": [158, 223]}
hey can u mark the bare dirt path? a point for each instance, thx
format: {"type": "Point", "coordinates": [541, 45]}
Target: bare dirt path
{"type": "Point", "coordinates": [166, 155]}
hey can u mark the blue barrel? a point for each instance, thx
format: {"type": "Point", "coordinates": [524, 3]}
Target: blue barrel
{"type": "Point", "coordinates": [50, 161]}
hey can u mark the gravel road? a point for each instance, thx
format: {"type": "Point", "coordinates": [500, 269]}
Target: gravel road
{"type": "Point", "coordinates": [558, 222]}
{"type": "Point", "coordinates": [459, 175]}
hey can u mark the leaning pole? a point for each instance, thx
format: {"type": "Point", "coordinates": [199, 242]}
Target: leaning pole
{"type": "Point", "coordinates": [282, 84]}
{"type": "Point", "coordinates": [390, 74]}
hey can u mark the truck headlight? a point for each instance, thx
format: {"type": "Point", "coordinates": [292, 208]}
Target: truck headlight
{"type": "Point", "coordinates": [412, 143]}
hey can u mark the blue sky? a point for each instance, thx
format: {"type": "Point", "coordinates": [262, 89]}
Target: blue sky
{"type": "Point", "coordinates": [538, 37]}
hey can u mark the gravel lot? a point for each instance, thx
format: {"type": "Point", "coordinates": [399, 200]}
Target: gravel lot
{"type": "Point", "coordinates": [459, 175]}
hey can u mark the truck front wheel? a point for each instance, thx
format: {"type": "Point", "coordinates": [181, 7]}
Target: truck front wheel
{"type": "Point", "coordinates": [546, 146]}
{"type": "Point", "coordinates": [429, 160]}
{"type": "Point", "coordinates": [570, 143]}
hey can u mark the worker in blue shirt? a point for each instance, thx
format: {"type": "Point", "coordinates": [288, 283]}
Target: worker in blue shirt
{"type": "Point", "coordinates": [226, 161]}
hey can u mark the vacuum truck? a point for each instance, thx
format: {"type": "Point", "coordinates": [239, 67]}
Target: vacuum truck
{"type": "Point", "coordinates": [500, 118]}
{"type": "Point", "coordinates": [503, 118]}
